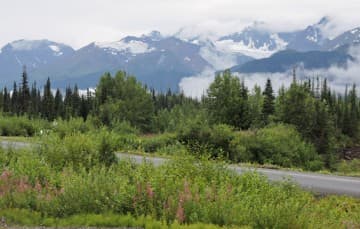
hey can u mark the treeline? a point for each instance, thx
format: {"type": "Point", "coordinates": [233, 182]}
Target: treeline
{"type": "Point", "coordinates": [326, 119]}
{"type": "Point", "coordinates": [138, 103]}
{"type": "Point", "coordinates": [34, 103]}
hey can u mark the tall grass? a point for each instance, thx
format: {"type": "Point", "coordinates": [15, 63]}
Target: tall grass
{"type": "Point", "coordinates": [184, 190]}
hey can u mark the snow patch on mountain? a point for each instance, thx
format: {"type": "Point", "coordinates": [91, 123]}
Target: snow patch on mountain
{"type": "Point", "coordinates": [56, 49]}
{"type": "Point", "coordinates": [313, 37]}
{"type": "Point", "coordinates": [252, 43]}
{"type": "Point", "coordinates": [132, 46]}
{"type": "Point", "coordinates": [354, 31]}
{"type": "Point", "coordinates": [230, 46]}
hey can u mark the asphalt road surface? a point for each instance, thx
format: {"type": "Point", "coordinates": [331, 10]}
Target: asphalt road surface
{"type": "Point", "coordinates": [14, 145]}
{"type": "Point", "coordinates": [317, 183]}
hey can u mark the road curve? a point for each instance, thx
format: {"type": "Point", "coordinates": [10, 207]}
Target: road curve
{"type": "Point", "coordinates": [317, 183]}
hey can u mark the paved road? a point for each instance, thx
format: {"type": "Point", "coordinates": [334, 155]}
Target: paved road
{"type": "Point", "coordinates": [15, 145]}
{"type": "Point", "coordinates": [318, 183]}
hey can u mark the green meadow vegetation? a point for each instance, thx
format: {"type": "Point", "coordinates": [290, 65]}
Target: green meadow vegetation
{"type": "Point", "coordinates": [53, 187]}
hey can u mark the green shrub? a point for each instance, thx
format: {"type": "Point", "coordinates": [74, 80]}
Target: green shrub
{"type": "Point", "coordinates": [200, 137]}
{"type": "Point", "coordinates": [278, 144]}
{"type": "Point", "coordinates": [151, 144]}
{"type": "Point", "coordinates": [126, 142]}
{"type": "Point", "coordinates": [124, 128]}
{"type": "Point", "coordinates": [77, 150]}
{"type": "Point", "coordinates": [348, 167]}
{"type": "Point", "coordinates": [72, 126]}
{"type": "Point", "coordinates": [106, 148]}
{"type": "Point", "coordinates": [20, 126]}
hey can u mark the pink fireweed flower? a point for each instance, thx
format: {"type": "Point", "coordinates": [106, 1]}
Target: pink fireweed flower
{"type": "Point", "coordinates": [180, 214]}
{"type": "Point", "coordinates": [5, 175]}
{"type": "Point", "coordinates": [22, 185]}
{"type": "Point", "coordinates": [149, 191]}
{"type": "Point", "coordinates": [187, 192]}
{"type": "Point", "coordinates": [38, 186]}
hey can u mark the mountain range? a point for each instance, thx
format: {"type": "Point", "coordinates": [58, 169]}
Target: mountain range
{"type": "Point", "coordinates": [162, 61]}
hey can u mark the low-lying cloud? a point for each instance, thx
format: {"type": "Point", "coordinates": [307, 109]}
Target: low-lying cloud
{"type": "Point", "coordinates": [338, 77]}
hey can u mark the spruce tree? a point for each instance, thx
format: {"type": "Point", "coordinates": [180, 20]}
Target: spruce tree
{"type": "Point", "coordinates": [58, 104]}
{"type": "Point", "coordinates": [68, 103]}
{"type": "Point", "coordinates": [35, 103]}
{"type": "Point", "coordinates": [269, 102]}
{"type": "Point", "coordinates": [48, 102]}
{"type": "Point", "coordinates": [84, 107]}
{"type": "Point", "coordinates": [76, 102]}
{"type": "Point", "coordinates": [1, 100]}
{"type": "Point", "coordinates": [24, 98]}
{"type": "Point", "coordinates": [15, 100]}
{"type": "Point", "coordinates": [7, 101]}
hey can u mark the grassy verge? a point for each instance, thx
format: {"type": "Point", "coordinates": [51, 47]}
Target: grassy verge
{"type": "Point", "coordinates": [21, 217]}
{"type": "Point", "coordinates": [65, 183]}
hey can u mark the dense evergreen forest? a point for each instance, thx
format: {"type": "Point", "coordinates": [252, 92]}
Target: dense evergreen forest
{"type": "Point", "coordinates": [326, 121]}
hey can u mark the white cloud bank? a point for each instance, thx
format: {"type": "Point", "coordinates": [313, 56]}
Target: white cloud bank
{"type": "Point", "coordinates": [196, 86]}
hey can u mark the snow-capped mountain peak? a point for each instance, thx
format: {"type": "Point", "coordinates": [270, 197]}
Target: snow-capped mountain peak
{"type": "Point", "coordinates": [125, 45]}
{"type": "Point", "coordinates": [44, 46]}
{"type": "Point", "coordinates": [254, 41]}
{"type": "Point", "coordinates": [348, 38]}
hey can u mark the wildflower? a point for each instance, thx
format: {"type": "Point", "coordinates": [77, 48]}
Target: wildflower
{"type": "Point", "coordinates": [22, 185]}
{"type": "Point", "coordinates": [180, 213]}
{"type": "Point", "coordinates": [5, 175]}
{"type": "Point", "coordinates": [187, 192]}
{"type": "Point", "coordinates": [38, 186]}
{"type": "Point", "coordinates": [149, 191]}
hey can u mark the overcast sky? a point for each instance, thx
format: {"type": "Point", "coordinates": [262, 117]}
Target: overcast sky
{"type": "Point", "coordinates": [79, 22]}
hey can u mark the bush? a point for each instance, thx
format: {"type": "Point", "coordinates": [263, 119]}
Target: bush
{"type": "Point", "coordinates": [151, 144]}
{"type": "Point", "coordinates": [200, 137]}
{"type": "Point", "coordinates": [351, 167]}
{"type": "Point", "coordinates": [124, 128]}
{"type": "Point", "coordinates": [70, 127]}
{"type": "Point", "coordinates": [19, 126]}
{"type": "Point", "coordinates": [78, 150]}
{"type": "Point", "coordinates": [278, 144]}
{"type": "Point", "coordinates": [106, 148]}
